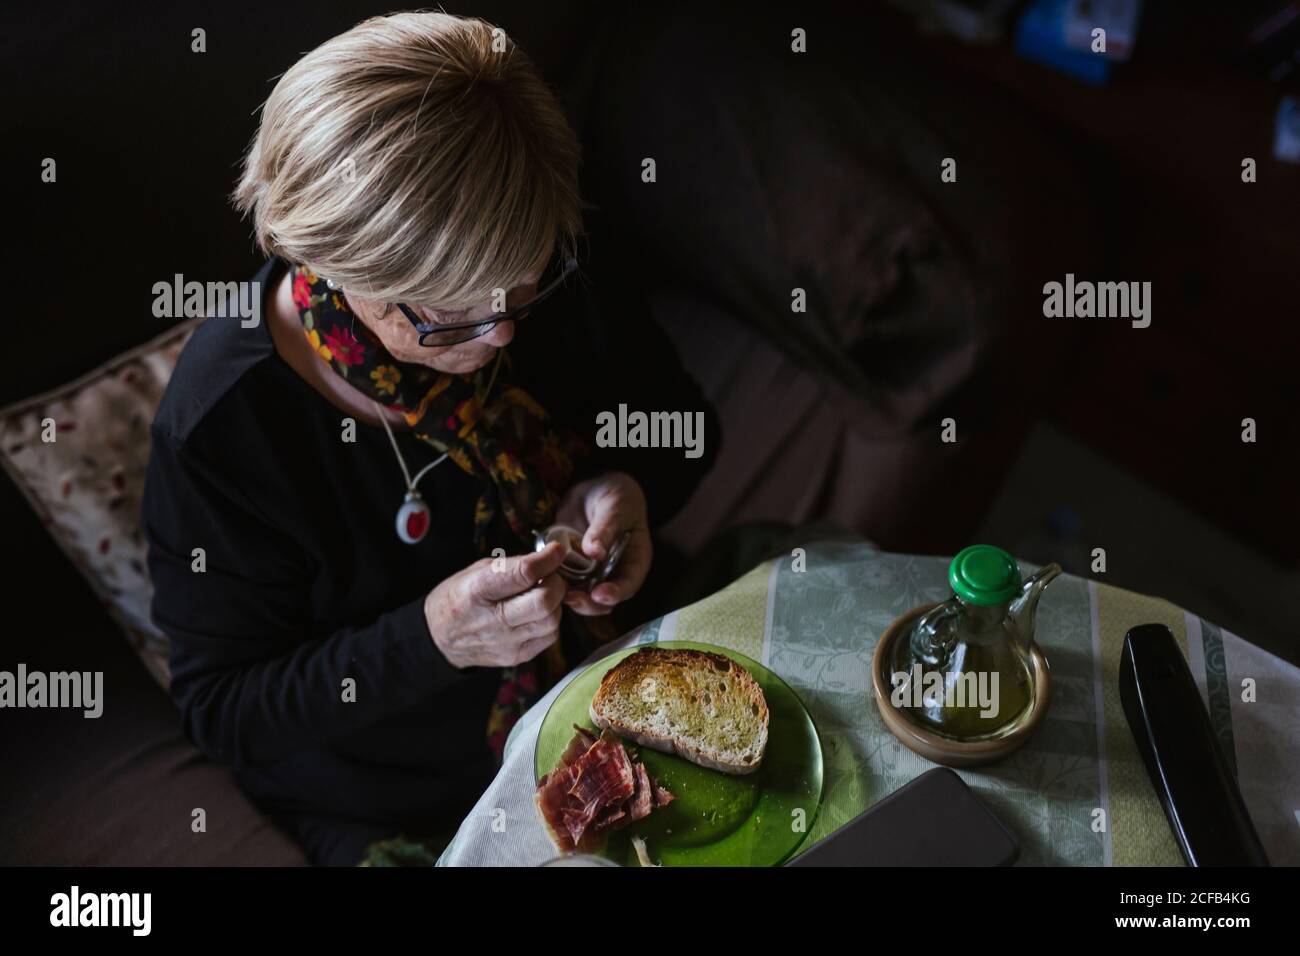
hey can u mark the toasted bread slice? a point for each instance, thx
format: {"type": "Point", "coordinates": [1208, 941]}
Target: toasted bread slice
{"type": "Point", "coordinates": [704, 707]}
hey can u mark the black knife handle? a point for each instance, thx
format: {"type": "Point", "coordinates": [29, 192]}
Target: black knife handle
{"type": "Point", "coordinates": [1173, 733]}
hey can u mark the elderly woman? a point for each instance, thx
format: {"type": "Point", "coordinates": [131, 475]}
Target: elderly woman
{"type": "Point", "coordinates": [340, 500]}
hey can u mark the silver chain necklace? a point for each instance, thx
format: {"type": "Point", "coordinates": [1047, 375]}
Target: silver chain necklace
{"type": "Point", "coordinates": [413, 517]}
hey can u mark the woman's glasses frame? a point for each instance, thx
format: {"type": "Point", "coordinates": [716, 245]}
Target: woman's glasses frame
{"type": "Point", "coordinates": [440, 336]}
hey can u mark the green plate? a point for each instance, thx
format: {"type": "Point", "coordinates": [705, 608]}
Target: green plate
{"type": "Point", "coordinates": [716, 819]}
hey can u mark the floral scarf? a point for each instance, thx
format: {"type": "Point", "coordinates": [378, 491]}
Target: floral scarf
{"type": "Point", "coordinates": [491, 430]}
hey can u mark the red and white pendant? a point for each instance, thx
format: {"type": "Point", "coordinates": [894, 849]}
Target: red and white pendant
{"type": "Point", "coordinates": [413, 519]}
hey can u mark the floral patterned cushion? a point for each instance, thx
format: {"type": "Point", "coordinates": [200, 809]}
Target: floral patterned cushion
{"type": "Point", "coordinates": [86, 484]}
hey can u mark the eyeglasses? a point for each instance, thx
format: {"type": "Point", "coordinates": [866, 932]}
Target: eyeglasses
{"type": "Point", "coordinates": [432, 335]}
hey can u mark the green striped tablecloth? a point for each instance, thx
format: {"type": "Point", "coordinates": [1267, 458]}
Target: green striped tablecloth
{"type": "Point", "coordinates": [817, 628]}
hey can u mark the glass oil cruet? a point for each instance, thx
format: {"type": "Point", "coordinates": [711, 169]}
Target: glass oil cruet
{"type": "Point", "coordinates": [966, 671]}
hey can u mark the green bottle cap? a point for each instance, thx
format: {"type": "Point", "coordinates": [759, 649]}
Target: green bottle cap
{"type": "Point", "coordinates": [984, 575]}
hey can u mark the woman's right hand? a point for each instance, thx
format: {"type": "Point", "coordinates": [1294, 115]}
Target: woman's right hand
{"type": "Point", "coordinates": [498, 612]}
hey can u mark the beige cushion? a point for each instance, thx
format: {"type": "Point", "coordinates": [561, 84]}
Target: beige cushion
{"type": "Point", "coordinates": [87, 483]}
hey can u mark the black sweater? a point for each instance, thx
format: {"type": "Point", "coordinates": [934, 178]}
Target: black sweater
{"type": "Point", "coordinates": [306, 582]}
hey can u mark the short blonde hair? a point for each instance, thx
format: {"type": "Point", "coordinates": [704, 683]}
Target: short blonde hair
{"type": "Point", "coordinates": [417, 157]}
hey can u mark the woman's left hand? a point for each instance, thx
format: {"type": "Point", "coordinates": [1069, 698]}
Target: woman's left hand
{"type": "Point", "coordinates": [603, 508]}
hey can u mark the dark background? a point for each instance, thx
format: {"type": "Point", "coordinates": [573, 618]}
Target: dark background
{"type": "Point", "coordinates": [148, 137]}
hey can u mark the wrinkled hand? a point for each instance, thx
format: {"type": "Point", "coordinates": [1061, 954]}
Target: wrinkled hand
{"type": "Point", "coordinates": [603, 508]}
{"type": "Point", "coordinates": [498, 612]}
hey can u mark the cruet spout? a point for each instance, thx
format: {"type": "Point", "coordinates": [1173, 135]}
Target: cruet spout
{"type": "Point", "coordinates": [1023, 608]}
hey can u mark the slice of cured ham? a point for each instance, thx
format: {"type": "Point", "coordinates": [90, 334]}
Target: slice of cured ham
{"type": "Point", "coordinates": [642, 801]}
{"type": "Point", "coordinates": [578, 746]}
{"type": "Point", "coordinates": [596, 787]}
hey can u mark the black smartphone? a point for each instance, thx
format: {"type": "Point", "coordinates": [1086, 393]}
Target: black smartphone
{"type": "Point", "coordinates": [933, 821]}
{"type": "Point", "coordinates": [1197, 788]}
